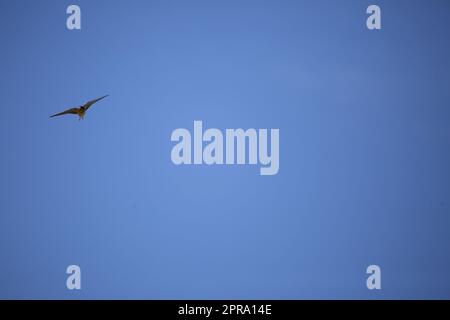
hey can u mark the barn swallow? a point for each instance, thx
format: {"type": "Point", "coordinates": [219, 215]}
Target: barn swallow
{"type": "Point", "coordinates": [80, 111]}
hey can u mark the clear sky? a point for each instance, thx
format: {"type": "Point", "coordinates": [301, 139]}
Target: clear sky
{"type": "Point", "coordinates": [364, 173]}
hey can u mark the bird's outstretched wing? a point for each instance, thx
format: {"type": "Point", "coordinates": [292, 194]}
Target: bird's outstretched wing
{"type": "Point", "coordinates": [68, 111]}
{"type": "Point", "coordinates": [88, 104]}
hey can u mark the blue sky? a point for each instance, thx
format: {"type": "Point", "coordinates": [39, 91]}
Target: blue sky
{"type": "Point", "coordinates": [364, 150]}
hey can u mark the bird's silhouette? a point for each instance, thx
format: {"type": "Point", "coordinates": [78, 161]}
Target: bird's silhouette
{"type": "Point", "coordinates": [80, 111]}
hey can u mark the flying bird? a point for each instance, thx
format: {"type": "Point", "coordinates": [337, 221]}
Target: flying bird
{"type": "Point", "coordinates": [80, 111]}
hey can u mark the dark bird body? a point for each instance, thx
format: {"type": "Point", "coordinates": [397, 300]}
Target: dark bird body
{"type": "Point", "coordinates": [80, 111]}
